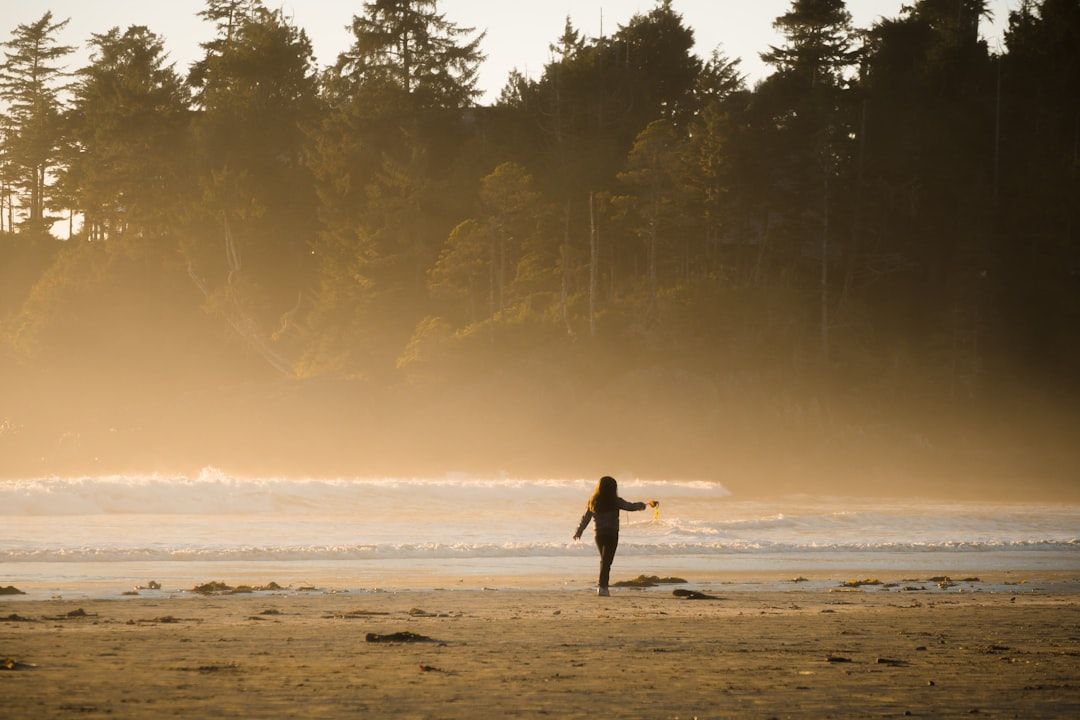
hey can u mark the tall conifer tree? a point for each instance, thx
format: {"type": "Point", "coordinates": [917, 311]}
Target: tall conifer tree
{"type": "Point", "coordinates": [31, 80]}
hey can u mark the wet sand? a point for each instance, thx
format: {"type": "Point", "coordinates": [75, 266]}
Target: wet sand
{"type": "Point", "coordinates": [806, 651]}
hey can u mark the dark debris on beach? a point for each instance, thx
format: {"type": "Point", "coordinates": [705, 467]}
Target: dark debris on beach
{"type": "Point", "coordinates": [13, 664]}
{"type": "Point", "coordinates": [693, 595]}
{"type": "Point", "coordinates": [398, 637]}
{"type": "Point", "coordinates": [162, 620]}
{"type": "Point", "coordinates": [649, 581]}
{"type": "Point", "coordinates": [72, 615]}
{"type": "Point", "coordinates": [219, 588]}
{"type": "Point", "coordinates": [15, 617]}
{"type": "Point", "coordinates": [357, 614]}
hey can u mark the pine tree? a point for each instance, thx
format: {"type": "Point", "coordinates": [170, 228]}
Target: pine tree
{"type": "Point", "coordinates": [810, 110]}
{"type": "Point", "coordinates": [1037, 191]}
{"type": "Point", "coordinates": [257, 92]}
{"type": "Point", "coordinates": [31, 80]}
{"type": "Point", "coordinates": [393, 133]}
{"type": "Point", "coordinates": [129, 122]}
{"type": "Point", "coordinates": [409, 48]}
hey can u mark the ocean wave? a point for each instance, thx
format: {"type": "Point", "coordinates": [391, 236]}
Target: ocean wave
{"type": "Point", "coordinates": [214, 516]}
{"type": "Point", "coordinates": [213, 491]}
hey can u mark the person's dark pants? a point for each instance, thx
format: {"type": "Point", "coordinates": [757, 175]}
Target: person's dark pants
{"type": "Point", "coordinates": [606, 543]}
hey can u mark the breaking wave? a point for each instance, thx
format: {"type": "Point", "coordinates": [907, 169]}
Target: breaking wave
{"type": "Point", "coordinates": [214, 516]}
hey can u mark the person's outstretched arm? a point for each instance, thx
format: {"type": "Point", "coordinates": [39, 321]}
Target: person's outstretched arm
{"type": "Point", "coordinates": [635, 506]}
{"type": "Point", "coordinates": [583, 524]}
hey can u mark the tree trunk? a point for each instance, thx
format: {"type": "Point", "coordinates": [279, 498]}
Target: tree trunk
{"type": "Point", "coordinates": [825, 273]}
{"type": "Point", "coordinates": [594, 242]}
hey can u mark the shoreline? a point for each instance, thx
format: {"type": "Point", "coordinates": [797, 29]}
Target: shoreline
{"type": "Point", "coordinates": [747, 651]}
{"type": "Point", "coordinates": [228, 582]}
{"type": "Point", "coordinates": [992, 572]}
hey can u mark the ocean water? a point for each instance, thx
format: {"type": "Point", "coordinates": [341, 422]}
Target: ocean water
{"type": "Point", "coordinates": [106, 534]}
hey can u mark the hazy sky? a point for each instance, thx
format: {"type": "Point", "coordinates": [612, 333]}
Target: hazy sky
{"type": "Point", "coordinates": [518, 31]}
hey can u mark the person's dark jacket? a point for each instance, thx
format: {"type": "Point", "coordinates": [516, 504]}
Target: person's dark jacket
{"type": "Point", "coordinates": [607, 521]}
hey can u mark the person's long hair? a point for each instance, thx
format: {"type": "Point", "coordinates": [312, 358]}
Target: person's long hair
{"type": "Point", "coordinates": [606, 495]}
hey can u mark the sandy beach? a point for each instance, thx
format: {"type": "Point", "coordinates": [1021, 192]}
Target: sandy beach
{"type": "Point", "coordinates": [909, 648]}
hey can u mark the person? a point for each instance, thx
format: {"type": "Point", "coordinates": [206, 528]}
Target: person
{"type": "Point", "coordinates": [603, 510]}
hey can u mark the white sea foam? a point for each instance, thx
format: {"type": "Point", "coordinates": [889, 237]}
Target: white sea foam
{"type": "Point", "coordinates": [214, 492]}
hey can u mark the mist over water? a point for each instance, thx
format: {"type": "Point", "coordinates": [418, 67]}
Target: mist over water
{"type": "Point", "coordinates": [668, 279]}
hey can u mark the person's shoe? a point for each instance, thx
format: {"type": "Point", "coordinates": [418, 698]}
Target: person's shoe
{"type": "Point", "coordinates": [603, 592]}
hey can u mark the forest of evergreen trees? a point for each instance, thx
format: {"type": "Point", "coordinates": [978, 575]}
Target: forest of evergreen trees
{"type": "Point", "coordinates": [866, 266]}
